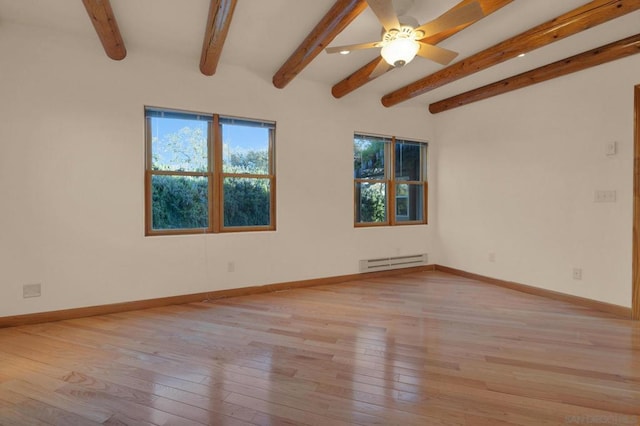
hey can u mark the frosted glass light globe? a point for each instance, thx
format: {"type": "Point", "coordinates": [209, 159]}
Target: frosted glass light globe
{"type": "Point", "coordinates": [400, 51]}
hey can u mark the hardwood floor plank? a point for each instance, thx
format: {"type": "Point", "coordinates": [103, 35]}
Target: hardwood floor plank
{"type": "Point", "coordinates": [425, 348]}
{"type": "Point", "coordinates": [50, 414]}
{"type": "Point", "coordinates": [10, 415]}
{"type": "Point", "coordinates": [122, 420]}
{"type": "Point", "coordinates": [47, 394]}
{"type": "Point", "coordinates": [297, 415]}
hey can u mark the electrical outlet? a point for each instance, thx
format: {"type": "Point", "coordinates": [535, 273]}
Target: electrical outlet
{"type": "Point", "coordinates": [31, 290]}
{"type": "Point", "coordinates": [605, 196]}
{"type": "Point", "coordinates": [231, 266]}
{"type": "Point", "coordinates": [492, 257]}
{"type": "Point", "coordinates": [577, 273]}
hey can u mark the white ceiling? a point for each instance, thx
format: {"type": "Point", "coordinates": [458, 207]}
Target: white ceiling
{"type": "Point", "coordinates": [265, 32]}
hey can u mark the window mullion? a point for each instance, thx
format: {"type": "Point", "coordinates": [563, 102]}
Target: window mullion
{"type": "Point", "coordinates": [176, 173]}
{"type": "Point", "coordinates": [148, 137]}
{"type": "Point", "coordinates": [272, 200]}
{"type": "Point", "coordinates": [391, 190]}
{"type": "Point", "coordinates": [425, 196]}
{"type": "Point", "coordinates": [148, 214]}
{"type": "Point", "coordinates": [215, 170]}
{"type": "Point", "coordinates": [245, 175]}
{"type": "Point", "coordinates": [272, 162]}
{"type": "Point", "coordinates": [272, 177]}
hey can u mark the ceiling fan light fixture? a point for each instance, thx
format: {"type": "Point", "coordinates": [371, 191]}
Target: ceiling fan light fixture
{"type": "Point", "coordinates": [400, 51]}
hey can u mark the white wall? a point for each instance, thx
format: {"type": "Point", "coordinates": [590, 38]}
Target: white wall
{"type": "Point", "coordinates": [72, 168]}
{"type": "Point", "coordinates": [514, 175]}
{"type": "Point", "coordinates": [517, 175]}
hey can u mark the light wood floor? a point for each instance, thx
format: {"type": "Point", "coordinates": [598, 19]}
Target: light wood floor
{"type": "Point", "coordinates": [418, 349]}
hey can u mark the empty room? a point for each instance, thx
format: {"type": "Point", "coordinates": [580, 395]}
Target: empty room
{"type": "Point", "coordinates": [327, 212]}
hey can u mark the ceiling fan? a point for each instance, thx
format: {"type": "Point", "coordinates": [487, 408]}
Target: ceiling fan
{"type": "Point", "coordinates": [402, 37]}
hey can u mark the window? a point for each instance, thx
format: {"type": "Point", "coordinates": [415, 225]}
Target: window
{"type": "Point", "coordinates": [390, 180]}
{"type": "Point", "coordinates": [208, 173]}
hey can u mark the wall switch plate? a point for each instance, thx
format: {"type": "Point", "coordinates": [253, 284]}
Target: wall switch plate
{"type": "Point", "coordinates": [31, 290]}
{"type": "Point", "coordinates": [492, 257]}
{"type": "Point", "coordinates": [611, 148]}
{"type": "Point", "coordinates": [577, 273]}
{"type": "Point", "coordinates": [605, 196]}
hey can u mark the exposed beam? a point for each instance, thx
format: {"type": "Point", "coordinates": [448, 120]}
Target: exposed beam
{"type": "Point", "coordinates": [335, 20]}
{"type": "Point", "coordinates": [218, 22]}
{"type": "Point", "coordinates": [362, 76]}
{"type": "Point", "coordinates": [589, 15]}
{"type": "Point", "coordinates": [104, 22]}
{"type": "Point", "coordinates": [600, 55]}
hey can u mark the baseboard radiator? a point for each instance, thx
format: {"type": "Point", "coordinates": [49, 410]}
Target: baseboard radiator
{"type": "Point", "coordinates": [396, 262]}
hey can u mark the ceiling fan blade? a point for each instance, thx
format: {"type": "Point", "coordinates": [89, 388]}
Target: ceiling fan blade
{"type": "Point", "coordinates": [453, 18]}
{"type": "Point", "coordinates": [383, 10]}
{"type": "Point", "coordinates": [436, 54]}
{"type": "Point", "coordinates": [350, 47]}
{"type": "Point", "coordinates": [380, 69]}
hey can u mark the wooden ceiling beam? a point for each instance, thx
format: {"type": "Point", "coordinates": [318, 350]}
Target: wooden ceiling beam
{"type": "Point", "coordinates": [600, 55]}
{"type": "Point", "coordinates": [333, 22]}
{"type": "Point", "coordinates": [363, 75]}
{"type": "Point", "coordinates": [584, 17]}
{"type": "Point", "coordinates": [104, 21]}
{"type": "Point", "coordinates": [218, 22]}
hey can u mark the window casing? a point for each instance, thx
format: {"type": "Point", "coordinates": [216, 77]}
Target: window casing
{"type": "Point", "coordinates": [207, 173]}
{"type": "Point", "coordinates": [390, 181]}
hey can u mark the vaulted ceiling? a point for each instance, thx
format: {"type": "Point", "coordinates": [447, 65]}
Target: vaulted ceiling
{"type": "Point", "coordinates": [262, 35]}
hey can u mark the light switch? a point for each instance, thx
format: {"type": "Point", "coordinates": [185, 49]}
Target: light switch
{"type": "Point", "coordinates": [611, 148]}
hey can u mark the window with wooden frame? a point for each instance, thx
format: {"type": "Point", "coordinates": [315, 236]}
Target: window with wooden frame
{"type": "Point", "coordinates": [207, 173]}
{"type": "Point", "coordinates": [390, 180]}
